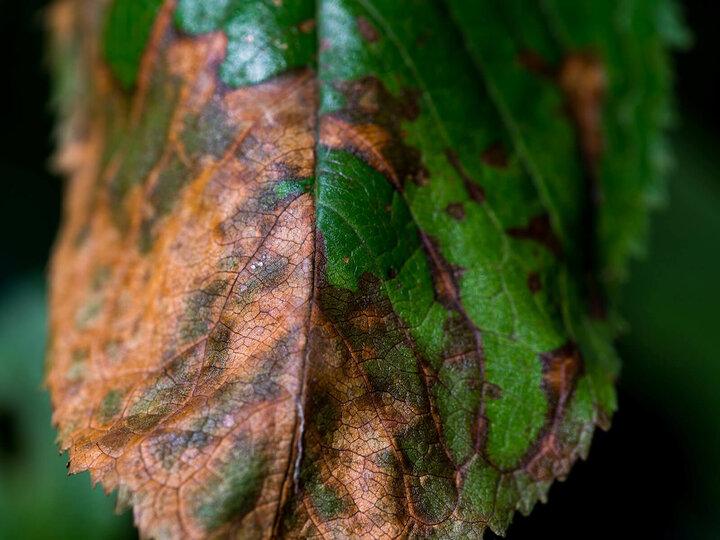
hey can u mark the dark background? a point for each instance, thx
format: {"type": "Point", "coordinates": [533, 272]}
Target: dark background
{"type": "Point", "coordinates": [656, 474]}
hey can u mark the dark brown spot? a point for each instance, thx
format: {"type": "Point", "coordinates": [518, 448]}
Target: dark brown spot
{"type": "Point", "coordinates": [474, 190]}
{"type": "Point", "coordinates": [367, 30]}
{"type": "Point", "coordinates": [307, 26]}
{"type": "Point", "coordinates": [441, 271]}
{"type": "Point", "coordinates": [493, 391]}
{"type": "Point", "coordinates": [392, 274]}
{"type": "Point", "coordinates": [539, 230]}
{"type": "Point", "coordinates": [496, 156]}
{"type": "Point", "coordinates": [220, 230]}
{"type": "Point", "coordinates": [458, 272]}
{"type": "Point", "coordinates": [455, 211]}
{"type": "Point", "coordinates": [534, 283]}
{"type": "Point", "coordinates": [534, 63]}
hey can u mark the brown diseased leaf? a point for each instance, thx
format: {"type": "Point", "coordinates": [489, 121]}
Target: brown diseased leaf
{"type": "Point", "coordinates": [170, 353]}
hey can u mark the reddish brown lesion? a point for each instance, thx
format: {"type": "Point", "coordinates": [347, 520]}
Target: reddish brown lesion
{"type": "Point", "coordinates": [370, 126]}
{"type": "Point", "coordinates": [496, 155]}
{"type": "Point", "coordinates": [552, 453]}
{"type": "Point", "coordinates": [582, 79]}
{"type": "Point", "coordinates": [561, 369]}
{"type": "Point", "coordinates": [456, 211]}
{"type": "Point", "coordinates": [540, 230]}
{"type": "Point", "coordinates": [367, 140]}
{"type": "Point", "coordinates": [473, 188]}
{"type": "Point", "coordinates": [307, 26]}
{"type": "Point", "coordinates": [367, 29]}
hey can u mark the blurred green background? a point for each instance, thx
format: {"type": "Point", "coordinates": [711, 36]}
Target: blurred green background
{"type": "Point", "coordinates": [656, 474]}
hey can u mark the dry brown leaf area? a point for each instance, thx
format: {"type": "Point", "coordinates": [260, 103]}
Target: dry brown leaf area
{"type": "Point", "coordinates": [165, 360]}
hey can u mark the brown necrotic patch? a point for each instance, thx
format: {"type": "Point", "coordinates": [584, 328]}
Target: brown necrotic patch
{"type": "Point", "coordinates": [555, 448]}
{"type": "Point", "coordinates": [561, 369]}
{"type": "Point", "coordinates": [462, 353]}
{"type": "Point", "coordinates": [583, 81]}
{"type": "Point", "coordinates": [367, 29]}
{"type": "Point", "coordinates": [493, 391]}
{"type": "Point", "coordinates": [366, 387]}
{"type": "Point", "coordinates": [113, 443]}
{"type": "Point", "coordinates": [377, 339]}
{"type": "Point", "coordinates": [474, 190]}
{"type": "Point", "coordinates": [459, 342]}
{"type": "Point", "coordinates": [307, 26]}
{"type": "Point", "coordinates": [208, 296]}
{"type": "Point", "coordinates": [455, 211]}
{"type": "Point", "coordinates": [539, 230]}
{"type": "Point", "coordinates": [370, 126]}
{"type": "Point", "coordinates": [496, 155]}
{"type": "Point", "coordinates": [144, 422]}
{"type": "Point", "coordinates": [445, 277]}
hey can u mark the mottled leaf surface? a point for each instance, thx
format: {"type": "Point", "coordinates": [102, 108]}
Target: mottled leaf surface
{"type": "Point", "coordinates": [340, 268]}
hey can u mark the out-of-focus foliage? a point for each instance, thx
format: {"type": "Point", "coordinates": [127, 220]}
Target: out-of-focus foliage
{"type": "Point", "coordinates": [671, 346]}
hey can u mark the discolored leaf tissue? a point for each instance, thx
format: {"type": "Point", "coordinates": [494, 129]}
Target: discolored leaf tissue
{"type": "Point", "coordinates": [346, 268]}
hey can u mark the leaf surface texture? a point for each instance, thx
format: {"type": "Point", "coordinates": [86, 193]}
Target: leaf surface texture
{"type": "Point", "coordinates": [341, 268]}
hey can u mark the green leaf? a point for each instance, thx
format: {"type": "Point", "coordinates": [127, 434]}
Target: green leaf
{"type": "Point", "coordinates": [631, 39]}
{"type": "Point", "coordinates": [347, 266]}
{"type": "Point", "coordinates": [264, 37]}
